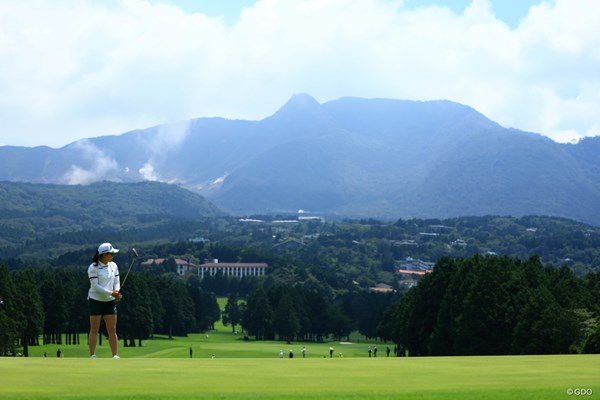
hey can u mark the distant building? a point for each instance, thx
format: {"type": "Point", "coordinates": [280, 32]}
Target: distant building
{"type": "Point", "coordinates": [382, 288]}
{"type": "Point", "coordinates": [236, 270]}
{"type": "Point", "coordinates": [412, 264]}
{"type": "Point", "coordinates": [411, 270]}
{"type": "Point", "coordinates": [211, 268]}
{"type": "Point", "coordinates": [311, 218]}
{"type": "Point", "coordinates": [183, 266]}
{"type": "Point", "coordinates": [251, 220]}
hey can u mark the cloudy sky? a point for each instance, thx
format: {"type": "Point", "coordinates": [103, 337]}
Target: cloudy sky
{"type": "Point", "coordinates": [71, 69]}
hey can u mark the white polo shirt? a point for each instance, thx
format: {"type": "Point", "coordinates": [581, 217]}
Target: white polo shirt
{"type": "Point", "coordinates": [104, 279]}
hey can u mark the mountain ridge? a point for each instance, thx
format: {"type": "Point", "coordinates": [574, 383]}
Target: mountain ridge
{"type": "Point", "coordinates": [350, 157]}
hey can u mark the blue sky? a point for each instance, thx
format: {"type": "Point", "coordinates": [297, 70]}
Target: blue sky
{"type": "Point", "coordinates": [509, 11]}
{"type": "Point", "coordinates": [76, 69]}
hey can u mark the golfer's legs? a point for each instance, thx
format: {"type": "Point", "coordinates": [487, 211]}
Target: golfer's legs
{"type": "Point", "coordinates": [111, 327]}
{"type": "Point", "coordinates": [94, 328]}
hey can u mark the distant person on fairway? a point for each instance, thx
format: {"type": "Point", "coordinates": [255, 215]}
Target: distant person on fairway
{"type": "Point", "coordinates": [330, 351]}
{"type": "Point", "coordinates": [103, 297]}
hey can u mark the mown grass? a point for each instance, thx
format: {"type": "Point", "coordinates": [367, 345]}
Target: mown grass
{"type": "Point", "coordinates": [526, 377]}
{"type": "Point", "coordinates": [162, 369]}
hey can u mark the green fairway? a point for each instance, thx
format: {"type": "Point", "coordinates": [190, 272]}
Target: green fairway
{"type": "Point", "coordinates": [154, 373]}
{"type": "Point", "coordinates": [221, 344]}
{"type": "Point", "coordinates": [162, 369]}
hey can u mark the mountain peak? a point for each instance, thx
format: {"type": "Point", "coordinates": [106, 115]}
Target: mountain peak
{"type": "Point", "coordinates": [300, 103]}
{"type": "Point", "coordinates": [302, 99]}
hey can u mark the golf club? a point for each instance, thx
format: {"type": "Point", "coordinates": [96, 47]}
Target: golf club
{"type": "Point", "coordinates": [135, 255]}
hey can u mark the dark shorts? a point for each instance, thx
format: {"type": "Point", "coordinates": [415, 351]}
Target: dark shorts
{"type": "Point", "coordinates": [96, 307]}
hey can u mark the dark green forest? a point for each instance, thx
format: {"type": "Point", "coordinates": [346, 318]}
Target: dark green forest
{"type": "Point", "coordinates": [495, 306]}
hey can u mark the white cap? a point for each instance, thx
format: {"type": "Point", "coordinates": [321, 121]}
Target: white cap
{"type": "Point", "coordinates": [107, 248]}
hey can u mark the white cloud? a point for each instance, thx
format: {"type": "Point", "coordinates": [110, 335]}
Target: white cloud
{"type": "Point", "coordinates": [167, 138]}
{"type": "Point", "coordinates": [103, 167]}
{"type": "Point", "coordinates": [81, 69]}
{"type": "Point", "coordinates": [219, 180]}
{"type": "Point", "coordinates": [147, 171]}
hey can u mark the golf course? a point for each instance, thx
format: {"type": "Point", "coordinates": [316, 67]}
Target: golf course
{"type": "Point", "coordinates": [224, 366]}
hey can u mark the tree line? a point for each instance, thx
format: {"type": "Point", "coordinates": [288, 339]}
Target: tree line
{"type": "Point", "coordinates": [467, 306]}
{"type": "Point", "coordinates": [51, 304]}
{"type": "Point", "coordinates": [496, 305]}
{"type": "Point", "coordinates": [297, 313]}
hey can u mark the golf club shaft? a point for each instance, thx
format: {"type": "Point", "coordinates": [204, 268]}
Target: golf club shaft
{"type": "Point", "coordinates": [134, 254]}
{"type": "Point", "coordinates": [127, 273]}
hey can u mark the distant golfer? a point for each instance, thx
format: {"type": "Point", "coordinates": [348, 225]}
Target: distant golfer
{"type": "Point", "coordinates": [103, 297]}
{"type": "Point", "coordinates": [330, 351]}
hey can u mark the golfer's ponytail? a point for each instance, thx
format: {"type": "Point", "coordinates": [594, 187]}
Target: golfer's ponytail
{"type": "Point", "coordinates": [96, 258]}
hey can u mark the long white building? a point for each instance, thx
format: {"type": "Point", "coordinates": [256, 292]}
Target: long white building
{"type": "Point", "coordinates": [237, 270]}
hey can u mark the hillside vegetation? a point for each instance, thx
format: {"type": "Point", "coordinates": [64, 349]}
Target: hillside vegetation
{"type": "Point", "coordinates": [60, 225]}
{"type": "Point", "coordinates": [34, 215]}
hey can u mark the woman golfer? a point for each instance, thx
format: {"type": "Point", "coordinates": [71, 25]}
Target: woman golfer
{"type": "Point", "coordinates": [103, 297]}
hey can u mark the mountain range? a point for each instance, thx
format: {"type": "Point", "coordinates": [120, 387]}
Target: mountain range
{"type": "Point", "coordinates": [350, 157]}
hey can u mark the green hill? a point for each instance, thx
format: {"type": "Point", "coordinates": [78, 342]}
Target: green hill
{"type": "Point", "coordinates": [32, 213]}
